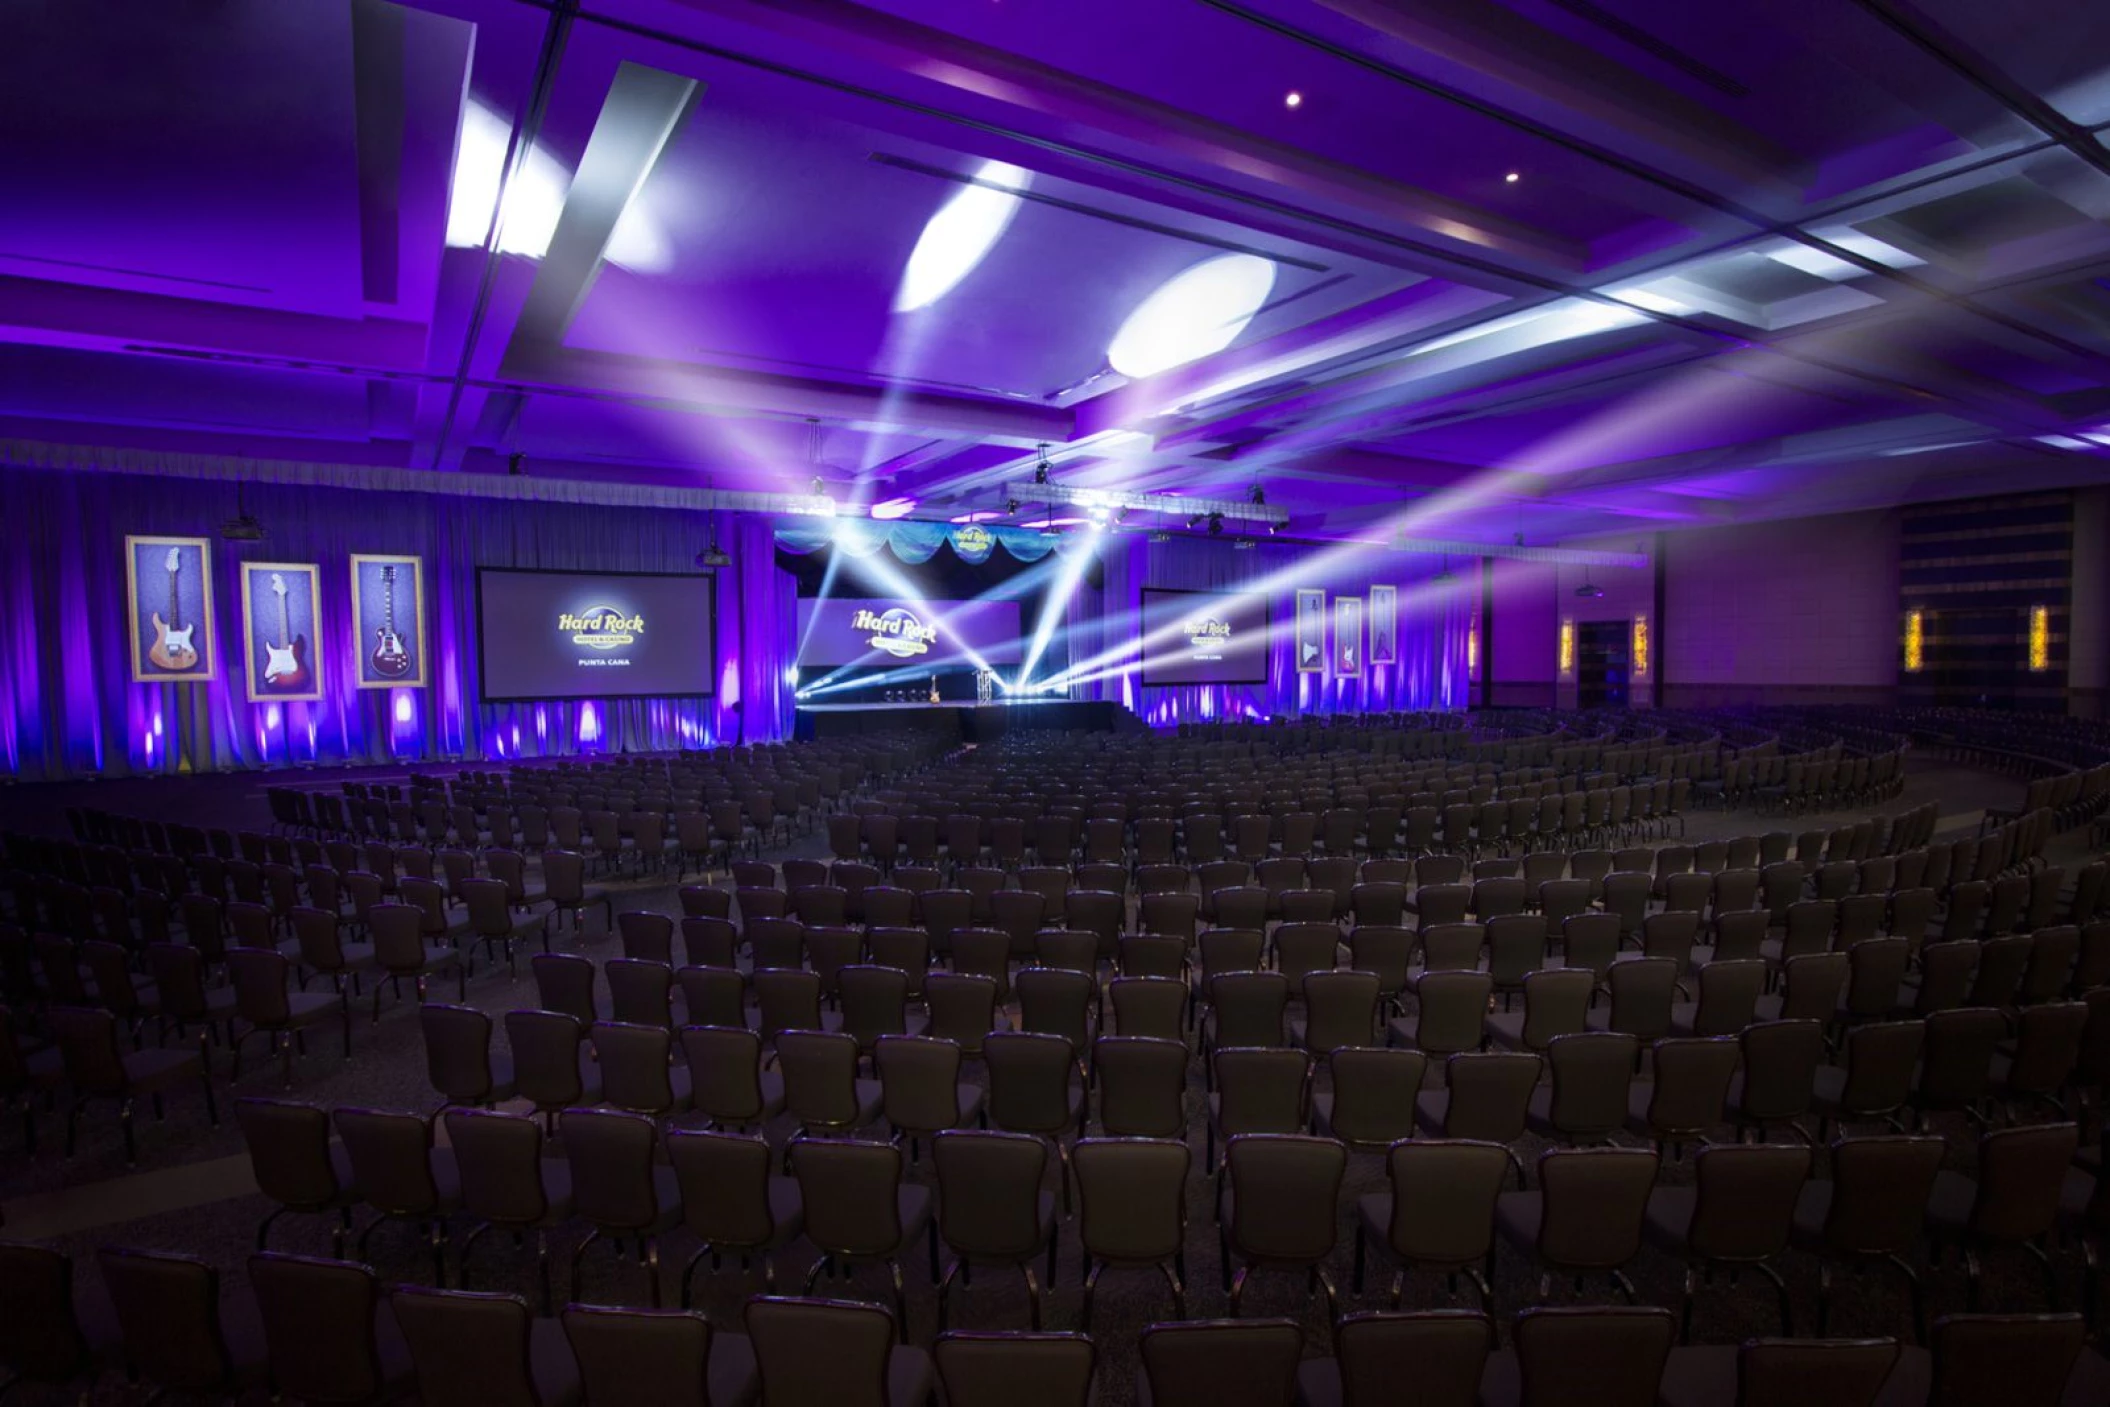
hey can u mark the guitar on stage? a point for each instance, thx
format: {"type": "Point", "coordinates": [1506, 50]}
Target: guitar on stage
{"type": "Point", "coordinates": [285, 666]}
{"type": "Point", "coordinates": [390, 659]}
{"type": "Point", "coordinates": [172, 649]}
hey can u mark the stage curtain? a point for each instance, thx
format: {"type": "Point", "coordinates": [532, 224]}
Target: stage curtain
{"type": "Point", "coordinates": [67, 706]}
{"type": "Point", "coordinates": [1434, 617]}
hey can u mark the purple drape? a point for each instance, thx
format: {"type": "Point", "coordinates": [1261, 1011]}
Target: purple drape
{"type": "Point", "coordinates": [67, 705]}
{"type": "Point", "coordinates": [1434, 618]}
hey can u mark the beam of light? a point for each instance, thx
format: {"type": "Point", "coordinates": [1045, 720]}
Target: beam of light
{"type": "Point", "coordinates": [878, 569]}
{"type": "Point", "coordinates": [960, 235]}
{"type": "Point", "coordinates": [888, 510]}
{"type": "Point", "coordinates": [1056, 602]}
{"type": "Point", "coordinates": [1195, 313]}
{"type": "Point", "coordinates": [534, 197]}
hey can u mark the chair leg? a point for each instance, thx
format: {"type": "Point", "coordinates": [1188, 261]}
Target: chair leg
{"type": "Point", "coordinates": [651, 1259]}
{"type": "Point", "coordinates": [1032, 1294]}
{"type": "Point", "coordinates": [1091, 1283]}
{"type": "Point", "coordinates": [900, 1298]}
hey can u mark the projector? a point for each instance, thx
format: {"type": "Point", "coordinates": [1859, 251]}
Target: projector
{"type": "Point", "coordinates": [712, 558]}
{"type": "Point", "coordinates": [242, 528]}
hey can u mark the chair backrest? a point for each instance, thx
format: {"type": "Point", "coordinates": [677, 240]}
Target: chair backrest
{"type": "Point", "coordinates": [565, 982]}
{"type": "Point", "coordinates": [1132, 1194]}
{"type": "Point", "coordinates": [1813, 1372]}
{"type": "Point", "coordinates": [2020, 1172]}
{"type": "Point", "coordinates": [849, 1190]}
{"type": "Point", "coordinates": [1453, 1011]}
{"type": "Point", "coordinates": [1780, 1068]}
{"type": "Point", "coordinates": [989, 1192]}
{"type": "Point", "coordinates": [391, 1156]}
{"type": "Point", "coordinates": [820, 1077]}
{"type": "Point", "coordinates": [1746, 1203]}
{"type": "Point", "coordinates": [640, 1357]}
{"type": "Point", "coordinates": [468, 1346]}
{"type": "Point", "coordinates": [1423, 1358]}
{"type": "Point", "coordinates": [610, 1152]}
{"type": "Point", "coordinates": [289, 1151]}
{"type": "Point", "coordinates": [1211, 1363]}
{"type": "Point", "coordinates": [1690, 1093]}
{"type": "Point", "coordinates": [498, 1158]}
{"type": "Point", "coordinates": [1015, 1369]}
{"type": "Point", "coordinates": [1443, 1199]}
{"type": "Point", "coordinates": [1374, 1090]}
{"type": "Point", "coordinates": [2019, 1359]}
{"type": "Point", "coordinates": [1148, 1006]}
{"type": "Point", "coordinates": [1880, 1187]}
{"type": "Point", "coordinates": [318, 1322]}
{"type": "Point", "coordinates": [168, 1311]}
{"type": "Point", "coordinates": [1594, 1200]}
{"type": "Point", "coordinates": [1490, 1093]}
{"type": "Point", "coordinates": [852, 1373]}
{"type": "Point", "coordinates": [457, 1051]}
{"type": "Point", "coordinates": [724, 1180]}
{"type": "Point", "coordinates": [1592, 1071]}
{"type": "Point", "coordinates": [40, 1339]}
{"type": "Point", "coordinates": [1143, 1082]}
{"type": "Point", "coordinates": [1619, 1352]}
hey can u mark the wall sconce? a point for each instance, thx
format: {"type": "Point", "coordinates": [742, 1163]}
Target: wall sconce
{"type": "Point", "coordinates": [1472, 652]}
{"type": "Point", "coordinates": [1641, 645]}
{"type": "Point", "coordinates": [2039, 639]}
{"type": "Point", "coordinates": [1567, 657]}
{"type": "Point", "coordinates": [1915, 641]}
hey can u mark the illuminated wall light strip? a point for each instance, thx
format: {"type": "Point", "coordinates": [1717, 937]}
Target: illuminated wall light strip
{"type": "Point", "coordinates": [1641, 645]}
{"type": "Point", "coordinates": [1567, 647]}
{"type": "Point", "coordinates": [1915, 641]}
{"type": "Point", "coordinates": [1472, 651]}
{"type": "Point", "coordinates": [2039, 639]}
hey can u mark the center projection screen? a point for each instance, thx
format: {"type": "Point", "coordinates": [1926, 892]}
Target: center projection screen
{"type": "Point", "coordinates": [593, 635]}
{"type": "Point", "coordinates": [838, 631]}
{"type": "Point", "coordinates": [1204, 637]}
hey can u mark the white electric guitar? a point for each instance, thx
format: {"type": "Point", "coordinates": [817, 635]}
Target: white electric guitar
{"type": "Point", "coordinates": [285, 666]}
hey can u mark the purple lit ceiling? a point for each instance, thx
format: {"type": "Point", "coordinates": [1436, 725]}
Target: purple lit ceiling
{"type": "Point", "coordinates": [1757, 258]}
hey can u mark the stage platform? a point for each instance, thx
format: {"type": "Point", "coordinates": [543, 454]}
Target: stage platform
{"type": "Point", "coordinates": [969, 722]}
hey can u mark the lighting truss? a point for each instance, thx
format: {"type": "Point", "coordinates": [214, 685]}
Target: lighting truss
{"type": "Point", "coordinates": [1176, 505]}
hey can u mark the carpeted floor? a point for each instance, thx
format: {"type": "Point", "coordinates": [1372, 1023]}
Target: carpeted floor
{"type": "Point", "coordinates": [192, 1191]}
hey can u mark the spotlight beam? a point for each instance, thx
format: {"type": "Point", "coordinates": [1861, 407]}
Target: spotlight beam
{"type": "Point", "coordinates": [1057, 600]}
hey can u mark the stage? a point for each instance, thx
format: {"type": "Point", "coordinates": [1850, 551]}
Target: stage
{"type": "Point", "coordinates": [969, 722]}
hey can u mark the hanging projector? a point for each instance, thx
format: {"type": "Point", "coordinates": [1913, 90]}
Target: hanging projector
{"type": "Point", "coordinates": [1589, 591]}
{"type": "Point", "coordinates": [241, 528]}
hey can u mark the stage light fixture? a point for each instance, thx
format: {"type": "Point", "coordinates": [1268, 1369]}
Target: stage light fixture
{"type": "Point", "coordinates": [1257, 496]}
{"type": "Point", "coordinates": [1216, 524]}
{"type": "Point", "coordinates": [819, 487]}
{"type": "Point", "coordinates": [1010, 505]}
{"type": "Point", "coordinates": [1040, 468]}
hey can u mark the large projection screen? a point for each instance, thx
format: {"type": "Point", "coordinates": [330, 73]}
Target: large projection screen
{"type": "Point", "coordinates": [902, 633]}
{"type": "Point", "coordinates": [593, 635]}
{"type": "Point", "coordinates": [1204, 637]}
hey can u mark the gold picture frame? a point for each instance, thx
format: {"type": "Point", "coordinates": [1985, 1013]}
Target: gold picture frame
{"type": "Point", "coordinates": [291, 670]}
{"type": "Point", "coordinates": [387, 635]}
{"type": "Point", "coordinates": [179, 652]}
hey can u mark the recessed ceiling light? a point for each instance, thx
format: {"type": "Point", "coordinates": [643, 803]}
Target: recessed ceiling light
{"type": "Point", "coordinates": [1513, 177]}
{"type": "Point", "coordinates": [1293, 98]}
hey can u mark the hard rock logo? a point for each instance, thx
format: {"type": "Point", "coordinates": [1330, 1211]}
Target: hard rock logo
{"type": "Point", "coordinates": [900, 633]}
{"type": "Point", "coordinates": [601, 627]}
{"type": "Point", "coordinates": [1208, 631]}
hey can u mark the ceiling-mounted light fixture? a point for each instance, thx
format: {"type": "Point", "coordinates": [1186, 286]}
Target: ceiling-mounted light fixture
{"type": "Point", "coordinates": [1040, 467]}
{"type": "Point", "coordinates": [1589, 591]}
{"type": "Point", "coordinates": [1256, 495]}
{"type": "Point", "coordinates": [1216, 524]}
{"type": "Point", "coordinates": [1446, 574]}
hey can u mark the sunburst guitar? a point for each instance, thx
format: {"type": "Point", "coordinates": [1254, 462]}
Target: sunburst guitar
{"type": "Point", "coordinates": [172, 649]}
{"type": "Point", "coordinates": [285, 666]}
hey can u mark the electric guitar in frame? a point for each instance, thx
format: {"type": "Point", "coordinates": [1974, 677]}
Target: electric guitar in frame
{"type": "Point", "coordinates": [173, 649]}
{"type": "Point", "coordinates": [286, 665]}
{"type": "Point", "coordinates": [390, 659]}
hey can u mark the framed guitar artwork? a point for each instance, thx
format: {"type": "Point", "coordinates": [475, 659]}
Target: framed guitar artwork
{"type": "Point", "coordinates": [388, 622]}
{"type": "Point", "coordinates": [281, 604]}
{"type": "Point", "coordinates": [168, 600]}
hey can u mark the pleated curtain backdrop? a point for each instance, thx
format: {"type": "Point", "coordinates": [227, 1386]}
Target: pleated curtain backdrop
{"type": "Point", "coordinates": [1434, 619]}
{"type": "Point", "coordinates": [67, 705]}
